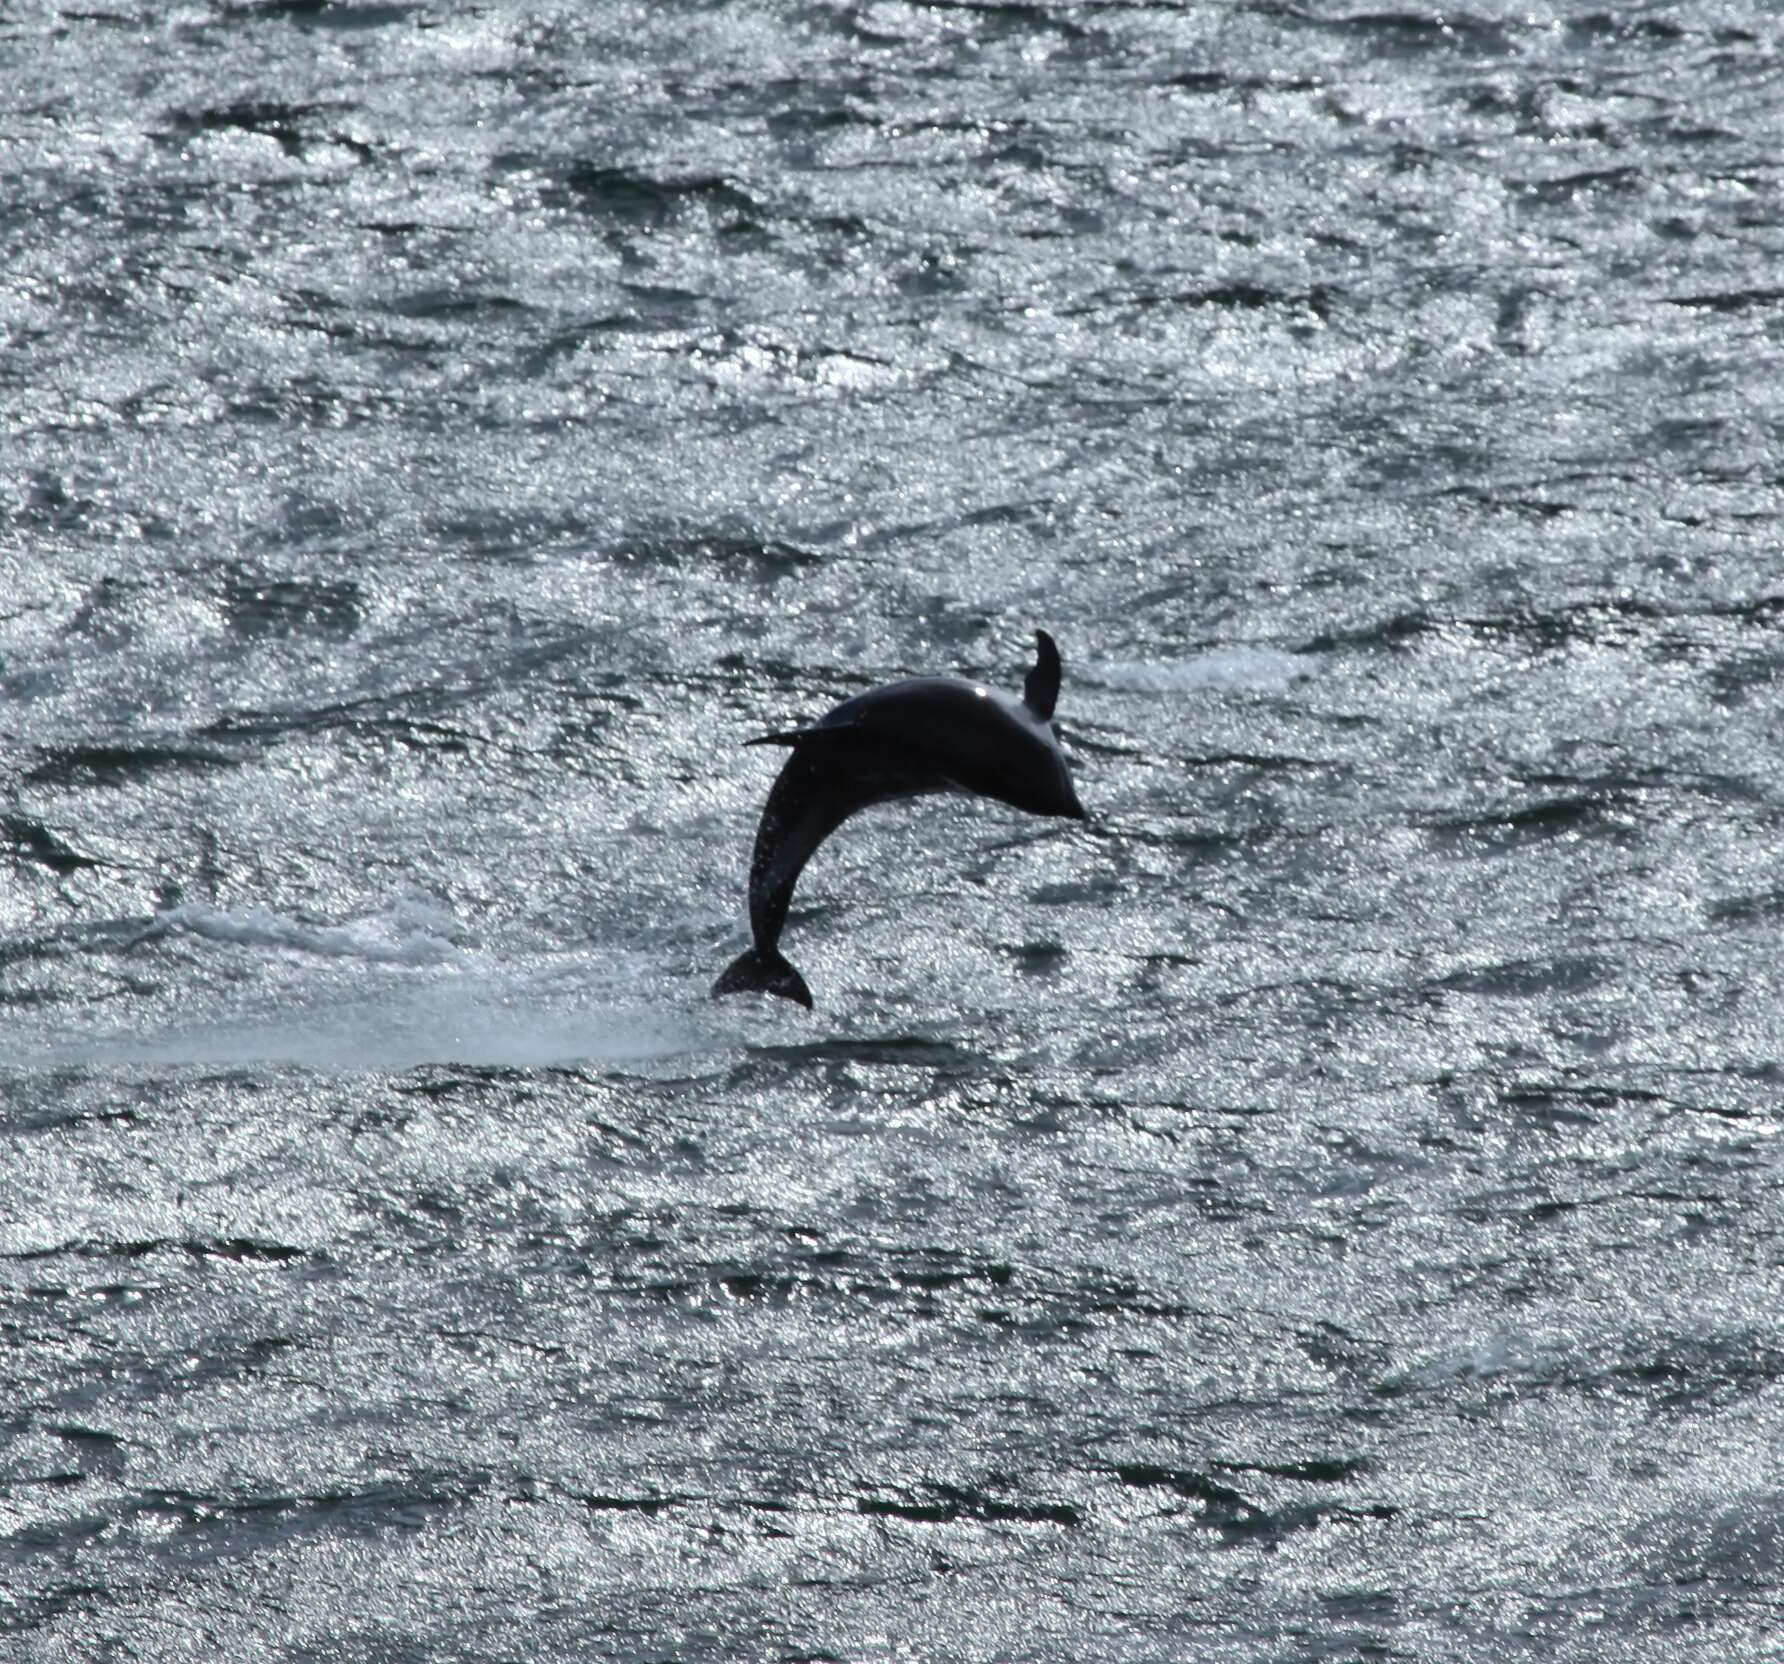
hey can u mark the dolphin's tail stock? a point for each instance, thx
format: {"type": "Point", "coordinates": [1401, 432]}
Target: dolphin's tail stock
{"type": "Point", "coordinates": [758, 972]}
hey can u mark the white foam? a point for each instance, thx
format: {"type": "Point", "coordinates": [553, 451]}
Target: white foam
{"type": "Point", "coordinates": [1242, 669]}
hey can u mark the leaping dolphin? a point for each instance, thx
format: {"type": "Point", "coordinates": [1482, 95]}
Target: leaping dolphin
{"type": "Point", "coordinates": [907, 739]}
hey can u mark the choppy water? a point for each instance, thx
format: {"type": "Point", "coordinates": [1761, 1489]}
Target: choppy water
{"type": "Point", "coordinates": [1326, 1209]}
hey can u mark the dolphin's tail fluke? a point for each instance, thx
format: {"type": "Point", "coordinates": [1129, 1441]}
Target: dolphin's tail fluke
{"type": "Point", "coordinates": [757, 972]}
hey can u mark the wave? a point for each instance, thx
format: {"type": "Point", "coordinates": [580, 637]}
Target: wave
{"type": "Point", "coordinates": [1241, 669]}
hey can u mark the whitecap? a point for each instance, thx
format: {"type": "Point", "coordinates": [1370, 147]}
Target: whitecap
{"type": "Point", "coordinates": [1239, 669]}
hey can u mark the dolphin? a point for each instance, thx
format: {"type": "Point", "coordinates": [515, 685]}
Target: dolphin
{"type": "Point", "coordinates": [906, 739]}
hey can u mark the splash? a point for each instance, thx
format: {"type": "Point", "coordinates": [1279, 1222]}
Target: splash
{"type": "Point", "coordinates": [389, 991]}
{"type": "Point", "coordinates": [409, 933]}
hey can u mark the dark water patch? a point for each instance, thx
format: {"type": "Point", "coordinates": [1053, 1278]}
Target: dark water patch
{"type": "Point", "coordinates": [55, 499]}
{"type": "Point", "coordinates": [1041, 959]}
{"type": "Point", "coordinates": [1511, 330]}
{"type": "Point", "coordinates": [1596, 30]}
{"type": "Point", "coordinates": [765, 559]}
{"type": "Point", "coordinates": [781, 1288]}
{"type": "Point", "coordinates": [1620, 621]}
{"type": "Point", "coordinates": [1570, 1109]}
{"type": "Point", "coordinates": [29, 1609]}
{"type": "Point", "coordinates": [1686, 1373]}
{"type": "Point", "coordinates": [813, 687]}
{"type": "Point", "coordinates": [406, 714]}
{"type": "Point", "coordinates": [1320, 301]}
{"type": "Point", "coordinates": [1586, 186]}
{"type": "Point", "coordinates": [1336, 1471]}
{"type": "Point", "coordinates": [1626, 788]}
{"type": "Point", "coordinates": [913, 1281]}
{"type": "Point", "coordinates": [801, 122]}
{"type": "Point", "coordinates": [1396, 631]}
{"type": "Point", "coordinates": [442, 1081]}
{"type": "Point", "coordinates": [894, 1050]}
{"type": "Point", "coordinates": [1523, 1205]}
{"type": "Point", "coordinates": [32, 841]}
{"type": "Point", "coordinates": [449, 302]}
{"type": "Point", "coordinates": [312, 402]}
{"type": "Point", "coordinates": [1764, 908]}
{"type": "Point", "coordinates": [945, 1504]}
{"type": "Point", "coordinates": [1088, 891]}
{"type": "Point", "coordinates": [1724, 1544]}
{"type": "Point", "coordinates": [1739, 678]}
{"type": "Point", "coordinates": [330, 16]}
{"type": "Point", "coordinates": [1734, 300]}
{"type": "Point", "coordinates": [1762, 611]}
{"type": "Point", "coordinates": [516, 536]}
{"type": "Point", "coordinates": [381, 733]}
{"type": "Point", "coordinates": [1598, 815]}
{"type": "Point", "coordinates": [45, 1481]}
{"type": "Point", "coordinates": [1262, 762]}
{"type": "Point", "coordinates": [290, 126]}
{"type": "Point", "coordinates": [1413, 33]}
{"type": "Point", "coordinates": [1325, 996]}
{"type": "Point", "coordinates": [1103, 1295]}
{"type": "Point", "coordinates": [634, 199]}
{"type": "Point", "coordinates": [77, 962]}
{"type": "Point", "coordinates": [1588, 623]}
{"type": "Point", "coordinates": [660, 304]}
{"type": "Point", "coordinates": [63, 1535]}
{"type": "Point", "coordinates": [54, 1118]}
{"type": "Point", "coordinates": [598, 1503]}
{"type": "Point", "coordinates": [240, 1250]}
{"type": "Point", "coordinates": [933, 1269]}
{"type": "Point", "coordinates": [410, 228]}
{"type": "Point", "coordinates": [1211, 82]}
{"type": "Point", "coordinates": [1524, 979]}
{"type": "Point", "coordinates": [187, 1527]}
{"type": "Point", "coordinates": [121, 765]}
{"type": "Point", "coordinates": [96, 1450]}
{"type": "Point", "coordinates": [1238, 1521]}
{"type": "Point", "coordinates": [996, 20]}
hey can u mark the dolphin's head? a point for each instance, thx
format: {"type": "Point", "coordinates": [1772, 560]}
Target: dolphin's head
{"type": "Point", "coordinates": [1046, 778]}
{"type": "Point", "coordinates": [1000, 748]}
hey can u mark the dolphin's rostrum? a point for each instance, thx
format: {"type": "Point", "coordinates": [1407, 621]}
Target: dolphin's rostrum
{"type": "Point", "coordinates": [932, 734]}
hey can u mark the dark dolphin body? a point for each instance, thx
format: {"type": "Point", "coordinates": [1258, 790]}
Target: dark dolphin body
{"type": "Point", "coordinates": [933, 734]}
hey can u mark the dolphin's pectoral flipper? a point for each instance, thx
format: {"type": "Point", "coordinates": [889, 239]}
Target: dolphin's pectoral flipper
{"type": "Point", "coordinates": [792, 736]}
{"type": "Point", "coordinates": [1040, 692]}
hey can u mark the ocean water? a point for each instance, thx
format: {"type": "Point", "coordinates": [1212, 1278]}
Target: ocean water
{"type": "Point", "coordinates": [1327, 1207]}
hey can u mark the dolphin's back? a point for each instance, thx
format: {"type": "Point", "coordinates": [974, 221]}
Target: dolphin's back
{"type": "Point", "coordinates": [958, 736]}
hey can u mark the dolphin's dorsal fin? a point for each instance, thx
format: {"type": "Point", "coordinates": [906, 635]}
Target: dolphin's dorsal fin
{"type": "Point", "coordinates": [1040, 693]}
